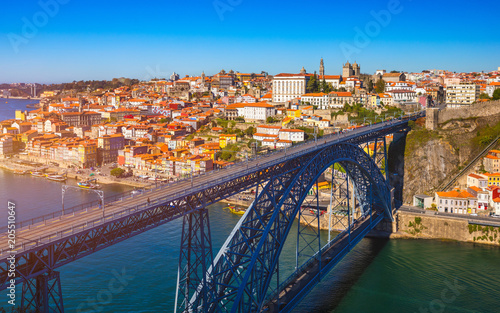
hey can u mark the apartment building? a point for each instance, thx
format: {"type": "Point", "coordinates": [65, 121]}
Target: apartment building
{"type": "Point", "coordinates": [463, 94]}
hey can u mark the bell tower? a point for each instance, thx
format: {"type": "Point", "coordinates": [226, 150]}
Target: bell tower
{"type": "Point", "coordinates": [321, 68]}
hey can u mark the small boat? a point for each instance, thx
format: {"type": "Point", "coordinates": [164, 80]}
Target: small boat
{"type": "Point", "coordinates": [59, 178]}
{"type": "Point", "coordinates": [235, 210]}
{"type": "Point", "coordinates": [88, 184]}
{"type": "Point", "coordinates": [37, 174]}
{"type": "Point", "coordinates": [19, 172]}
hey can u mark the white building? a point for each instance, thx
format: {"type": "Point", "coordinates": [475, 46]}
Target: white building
{"type": "Point", "coordinates": [477, 180]}
{"type": "Point", "coordinates": [268, 129]}
{"type": "Point", "coordinates": [456, 201]}
{"type": "Point", "coordinates": [320, 99]}
{"type": "Point", "coordinates": [490, 89]}
{"type": "Point", "coordinates": [389, 86]}
{"type": "Point", "coordinates": [463, 94]}
{"type": "Point", "coordinates": [287, 87]}
{"type": "Point", "coordinates": [291, 134]}
{"type": "Point", "coordinates": [402, 96]}
{"type": "Point", "coordinates": [483, 197]}
{"type": "Point", "coordinates": [258, 111]}
{"type": "Point", "coordinates": [334, 80]}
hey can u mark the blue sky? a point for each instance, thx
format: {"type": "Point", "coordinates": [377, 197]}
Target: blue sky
{"type": "Point", "coordinates": [86, 40]}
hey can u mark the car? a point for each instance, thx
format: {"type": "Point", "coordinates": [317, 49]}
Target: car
{"type": "Point", "coordinates": [473, 214]}
{"type": "Point", "coordinates": [496, 216]}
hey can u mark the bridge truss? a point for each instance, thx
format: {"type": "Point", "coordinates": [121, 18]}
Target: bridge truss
{"type": "Point", "coordinates": [239, 278]}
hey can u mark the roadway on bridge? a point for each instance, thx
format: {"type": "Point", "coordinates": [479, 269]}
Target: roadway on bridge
{"type": "Point", "coordinates": [61, 227]}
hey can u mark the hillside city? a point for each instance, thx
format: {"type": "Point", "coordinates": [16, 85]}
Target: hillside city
{"type": "Point", "coordinates": [169, 129]}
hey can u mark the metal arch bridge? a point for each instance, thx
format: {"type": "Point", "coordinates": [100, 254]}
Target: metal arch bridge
{"type": "Point", "coordinates": [241, 277]}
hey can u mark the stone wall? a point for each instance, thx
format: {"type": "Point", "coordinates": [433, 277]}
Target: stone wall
{"type": "Point", "coordinates": [416, 225]}
{"type": "Point", "coordinates": [482, 109]}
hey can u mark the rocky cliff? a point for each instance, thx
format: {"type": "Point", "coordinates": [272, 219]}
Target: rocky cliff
{"type": "Point", "coordinates": [435, 156]}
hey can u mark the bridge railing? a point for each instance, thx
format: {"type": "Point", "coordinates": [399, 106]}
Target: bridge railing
{"type": "Point", "coordinates": [245, 171]}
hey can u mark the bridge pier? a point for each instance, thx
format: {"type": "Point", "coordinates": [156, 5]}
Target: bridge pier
{"type": "Point", "coordinates": [42, 294]}
{"type": "Point", "coordinates": [396, 165]}
{"type": "Point", "coordinates": [195, 259]}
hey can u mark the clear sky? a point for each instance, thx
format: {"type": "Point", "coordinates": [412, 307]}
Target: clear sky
{"type": "Point", "coordinates": [94, 40]}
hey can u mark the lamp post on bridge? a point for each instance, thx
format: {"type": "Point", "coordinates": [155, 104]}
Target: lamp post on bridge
{"type": "Point", "coordinates": [100, 193]}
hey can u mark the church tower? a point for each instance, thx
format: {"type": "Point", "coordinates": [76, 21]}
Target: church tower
{"type": "Point", "coordinates": [356, 69]}
{"type": "Point", "coordinates": [347, 70]}
{"type": "Point", "coordinates": [321, 68]}
{"type": "Point", "coordinates": [303, 70]}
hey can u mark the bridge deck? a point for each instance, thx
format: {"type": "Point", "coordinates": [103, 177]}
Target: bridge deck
{"type": "Point", "coordinates": [290, 292]}
{"type": "Point", "coordinates": [49, 230]}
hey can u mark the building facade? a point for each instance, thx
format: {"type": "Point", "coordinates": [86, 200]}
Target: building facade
{"type": "Point", "coordinates": [463, 94]}
{"type": "Point", "coordinates": [287, 87]}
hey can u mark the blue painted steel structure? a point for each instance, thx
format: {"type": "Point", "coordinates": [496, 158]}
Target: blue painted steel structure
{"type": "Point", "coordinates": [240, 276]}
{"type": "Point", "coordinates": [243, 270]}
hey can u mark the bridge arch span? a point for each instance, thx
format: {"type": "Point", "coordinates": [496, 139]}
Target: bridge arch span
{"type": "Point", "coordinates": [244, 268]}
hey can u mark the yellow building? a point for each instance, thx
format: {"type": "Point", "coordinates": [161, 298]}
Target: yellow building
{"type": "Point", "coordinates": [48, 94]}
{"type": "Point", "coordinates": [226, 139]}
{"type": "Point", "coordinates": [87, 154]}
{"type": "Point", "coordinates": [293, 113]}
{"type": "Point", "coordinates": [20, 115]}
{"type": "Point", "coordinates": [493, 179]}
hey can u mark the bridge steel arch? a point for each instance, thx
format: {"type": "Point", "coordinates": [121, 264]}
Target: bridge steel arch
{"type": "Point", "coordinates": [244, 268]}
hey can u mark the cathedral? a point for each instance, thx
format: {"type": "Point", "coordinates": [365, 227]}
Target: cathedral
{"type": "Point", "coordinates": [350, 70]}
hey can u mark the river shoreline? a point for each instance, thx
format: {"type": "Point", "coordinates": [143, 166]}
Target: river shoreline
{"type": "Point", "coordinates": [22, 98]}
{"type": "Point", "coordinates": [13, 167]}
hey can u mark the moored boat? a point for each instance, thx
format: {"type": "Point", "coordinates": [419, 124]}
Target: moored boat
{"type": "Point", "coordinates": [236, 210]}
{"type": "Point", "coordinates": [59, 178]}
{"type": "Point", "coordinates": [88, 184]}
{"type": "Point", "coordinates": [37, 174]}
{"type": "Point", "coordinates": [20, 172]}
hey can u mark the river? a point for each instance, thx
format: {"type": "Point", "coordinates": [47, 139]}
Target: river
{"type": "Point", "coordinates": [379, 275]}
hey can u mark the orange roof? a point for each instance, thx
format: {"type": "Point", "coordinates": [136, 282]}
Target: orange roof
{"type": "Point", "coordinates": [476, 176]}
{"type": "Point", "coordinates": [262, 104]}
{"type": "Point", "coordinates": [269, 126]}
{"type": "Point", "coordinates": [455, 194]}
{"type": "Point", "coordinates": [316, 94]}
{"type": "Point", "coordinates": [477, 189]}
{"type": "Point", "coordinates": [341, 93]}
{"type": "Point", "coordinates": [292, 130]}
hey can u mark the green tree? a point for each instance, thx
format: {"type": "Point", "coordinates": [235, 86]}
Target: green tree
{"type": "Point", "coordinates": [496, 94]}
{"type": "Point", "coordinates": [270, 120]}
{"type": "Point", "coordinates": [250, 131]}
{"type": "Point", "coordinates": [117, 172]}
{"type": "Point", "coordinates": [484, 95]}
{"type": "Point", "coordinates": [380, 86]}
{"type": "Point", "coordinates": [313, 85]}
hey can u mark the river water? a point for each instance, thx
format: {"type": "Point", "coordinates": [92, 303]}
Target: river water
{"type": "Point", "coordinates": [377, 276]}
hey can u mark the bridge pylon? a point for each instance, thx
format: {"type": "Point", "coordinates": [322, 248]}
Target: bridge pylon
{"type": "Point", "coordinates": [42, 294]}
{"type": "Point", "coordinates": [196, 258]}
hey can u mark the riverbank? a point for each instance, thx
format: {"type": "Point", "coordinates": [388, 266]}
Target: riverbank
{"type": "Point", "coordinates": [22, 98]}
{"type": "Point", "coordinates": [425, 226]}
{"type": "Point", "coordinates": [13, 166]}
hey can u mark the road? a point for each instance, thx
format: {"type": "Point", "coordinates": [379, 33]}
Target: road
{"type": "Point", "coordinates": [494, 221]}
{"type": "Point", "coordinates": [64, 226]}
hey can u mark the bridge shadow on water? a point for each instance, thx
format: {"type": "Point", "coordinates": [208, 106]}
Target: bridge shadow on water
{"type": "Point", "coordinates": [328, 294]}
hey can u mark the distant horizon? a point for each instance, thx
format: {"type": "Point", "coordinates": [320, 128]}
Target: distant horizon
{"type": "Point", "coordinates": [57, 41]}
{"type": "Point", "coordinates": [255, 72]}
